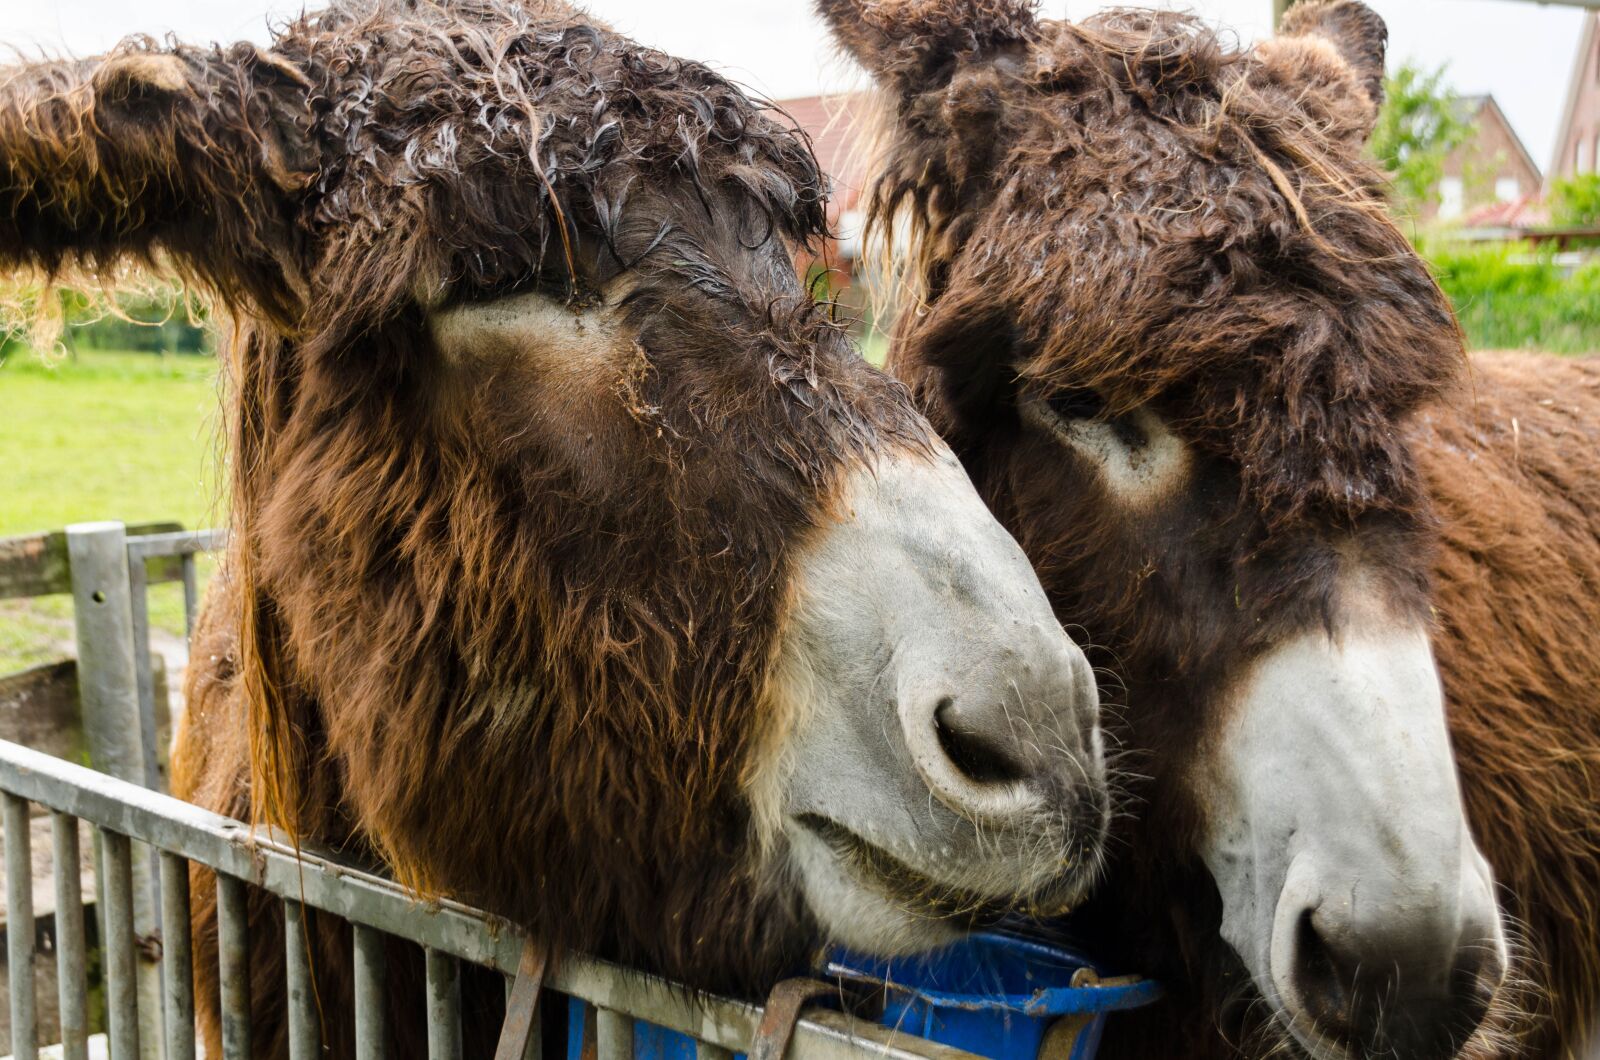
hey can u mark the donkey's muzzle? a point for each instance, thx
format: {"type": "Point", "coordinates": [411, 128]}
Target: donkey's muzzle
{"type": "Point", "coordinates": [946, 757]}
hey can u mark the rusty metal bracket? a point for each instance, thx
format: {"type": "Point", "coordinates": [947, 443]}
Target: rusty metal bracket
{"type": "Point", "coordinates": [1061, 1038]}
{"type": "Point", "coordinates": [1088, 977]}
{"type": "Point", "coordinates": [522, 1007]}
{"type": "Point", "coordinates": [782, 1012]}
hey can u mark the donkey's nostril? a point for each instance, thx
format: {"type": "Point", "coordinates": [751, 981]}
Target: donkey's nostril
{"type": "Point", "coordinates": [1382, 997]}
{"type": "Point", "coordinates": [997, 740]}
{"type": "Point", "coordinates": [1321, 978]}
{"type": "Point", "coordinates": [1473, 982]}
{"type": "Point", "coordinates": [973, 753]}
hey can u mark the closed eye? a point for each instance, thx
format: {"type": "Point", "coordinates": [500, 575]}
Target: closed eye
{"type": "Point", "coordinates": [1139, 455]}
{"type": "Point", "coordinates": [1077, 403]}
{"type": "Point", "coordinates": [1074, 404]}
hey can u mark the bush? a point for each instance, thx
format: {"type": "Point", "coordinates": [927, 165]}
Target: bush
{"type": "Point", "coordinates": [1420, 123]}
{"type": "Point", "coordinates": [157, 321]}
{"type": "Point", "coordinates": [152, 319]}
{"type": "Point", "coordinates": [1575, 202]}
{"type": "Point", "coordinates": [1513, 296]}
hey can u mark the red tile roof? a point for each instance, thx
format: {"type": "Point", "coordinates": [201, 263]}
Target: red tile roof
{"type": "Point", "coordinates": [833, 123]}
{"type": "Point", "coordinates": [1526, 212]}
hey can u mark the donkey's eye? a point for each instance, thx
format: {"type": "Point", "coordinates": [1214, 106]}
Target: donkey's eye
{"type": "Point", "coordinates": [1077, 403]}
{"type": "Point", "coordinates": [1141, 459]}
{"type": "Point", "coordinates": [1082, 406]}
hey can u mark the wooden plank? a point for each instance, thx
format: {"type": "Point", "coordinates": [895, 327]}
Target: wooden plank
{"type": "Point", "coordinates": [40, 708]}
{"type": "Point", "coordinates": [36, 564]}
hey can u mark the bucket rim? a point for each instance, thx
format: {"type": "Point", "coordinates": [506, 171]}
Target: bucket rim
{"type": "Point", "coordinates": [1089, 996]}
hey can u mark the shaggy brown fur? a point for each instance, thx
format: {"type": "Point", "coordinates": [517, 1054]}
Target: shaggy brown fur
{"type": "Point", "coordinates": [1514, 473]}
{"type": "Point", "coordinates": [510, 637]}
{"type": "Point", "coordinates": [1128, 214]}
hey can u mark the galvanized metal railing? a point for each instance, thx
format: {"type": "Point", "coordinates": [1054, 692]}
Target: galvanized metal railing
{"type": "Point", "coordinates": [146, 841]}
{"type": "Point", "coordinates": [125, 814]}
{"type": "Point", "coordinates": [450, 932]}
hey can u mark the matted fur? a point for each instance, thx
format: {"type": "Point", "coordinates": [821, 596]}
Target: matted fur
{"type": "Point", "coordinates": [1133, 207]}
{"type": "Point", "coordinates": [521, 663]}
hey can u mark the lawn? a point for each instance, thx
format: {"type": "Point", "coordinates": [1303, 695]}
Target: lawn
{"type": "Point", "coordinates": [100, 435]}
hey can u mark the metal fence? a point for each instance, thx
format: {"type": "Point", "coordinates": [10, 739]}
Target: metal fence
{"type": "Point", "coordinates": [145, 842]}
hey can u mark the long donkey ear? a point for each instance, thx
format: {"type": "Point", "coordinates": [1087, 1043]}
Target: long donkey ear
{"type": "Point", "coordinates": [180, 156]}
{"type": "Point", "coordinates": [912, 45]}
{"type": "Point", "coordinates": [1334, 50]}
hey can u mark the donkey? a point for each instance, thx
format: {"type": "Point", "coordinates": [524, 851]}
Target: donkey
{"type": "Point", "coordinates": [1151, 296]}
{"type": "Point", "coordinates": [578, 568]}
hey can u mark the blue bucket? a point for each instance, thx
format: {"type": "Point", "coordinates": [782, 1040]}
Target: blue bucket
{"type": "Point", "coordinates": [991, 994]}
{"type": "Point", "coordinates": [650, 1042]}
{"type": "Point", "coordinates": [999, 996]}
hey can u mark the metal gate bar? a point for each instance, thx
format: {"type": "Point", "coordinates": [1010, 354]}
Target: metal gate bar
{"type": "Point", "coordinates": [108, 607]}
{"type": "Point", "coordinates": [370, 1024]}
{"type": "Point", "coordinates": [19, 927]}
{"type": "Point", "coordinates": [304, 1032]}
{"type": "Point", "coordinates": [613, 1035]}
{"type": "Point", "coordinates": [71, 963]}
{"type": "Point", "coordinates": [233, 950]}
{"type": "Point", "coordinates": [177, 961]}
{"type": "Point", "coordinates": [185, 544]}
{"type": "Point", "coordinates": [122, 986]}
{"type": "Point", "coordinates": [444, 1006]}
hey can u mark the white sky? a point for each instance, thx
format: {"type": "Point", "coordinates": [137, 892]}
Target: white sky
{"type": "Point", "coordinates": [1521, 52]}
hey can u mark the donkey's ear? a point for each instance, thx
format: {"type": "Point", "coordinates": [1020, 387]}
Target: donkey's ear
{"type": "Point", "coordinates": [136, 89]}
{"type": "Point", "coordinates": [1334, 50]}
{"type": "Point", "coordinates": [1353, 28]}
{"type": "Point", "coordinates": [197, 158]}
{"type": "Point", "coordinates": [140, 83]}
{"type": "Point", "coordinates": [913, 45]}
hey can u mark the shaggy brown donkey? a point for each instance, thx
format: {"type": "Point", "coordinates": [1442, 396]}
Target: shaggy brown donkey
{"type": "Point", "coordinates": [579, 568]}
{"type": "Point", "coordinates": [1156, 306]}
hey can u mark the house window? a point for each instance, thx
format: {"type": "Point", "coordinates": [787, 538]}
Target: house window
{"type": "Point", "coordinates": [1508, 189]}
{"type": "Point", "coordinates": [1452, 198]}
{"type": "Point", "coordinates": [1583, 161]}
{"type": "Point", "coordinates": [851, 225]}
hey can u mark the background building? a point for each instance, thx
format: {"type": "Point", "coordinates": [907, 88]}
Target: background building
{"type": "Point", "coordinates": [1492, 166]}
{"type": "Point", "coordinates": [1578, 142]}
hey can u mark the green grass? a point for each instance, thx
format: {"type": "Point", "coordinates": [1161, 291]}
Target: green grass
{"type": "Point", "coordinates": [100, 435]}
{"type": "Point", "coordinates": [875, 347]}
{"type": "Point", "coordinates": [105, 436]}
{"type": "Point", "coordinates": [1515, 296]}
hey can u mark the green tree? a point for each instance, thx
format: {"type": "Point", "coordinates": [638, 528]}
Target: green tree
{"type": "Point", "coordinates": [1575, 202]}
{"type": "Point", "coordinates": [1420, 124]}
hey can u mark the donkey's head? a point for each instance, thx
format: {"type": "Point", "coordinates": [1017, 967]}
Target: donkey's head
{"type": "Point", "coordinates": [1156, 306]}
{"type": "Point", "coordinates": [615, 592]}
